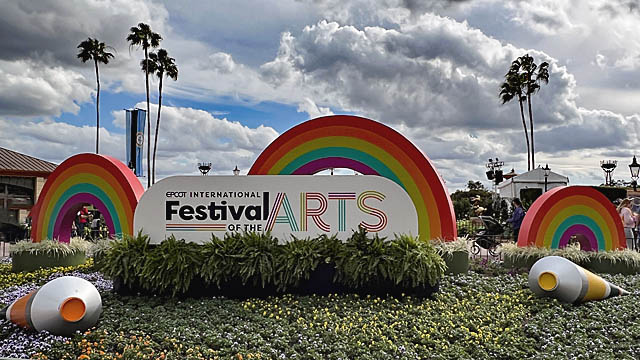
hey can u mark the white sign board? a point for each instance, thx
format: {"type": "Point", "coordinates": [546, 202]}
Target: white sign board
{"type": "Point", "coordinates": [194, 207]}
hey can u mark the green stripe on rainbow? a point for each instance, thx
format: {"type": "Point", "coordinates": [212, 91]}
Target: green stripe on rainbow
{"type": "Point", "coordinates": [579, 220]}
{"type": "Point", "coordinates": [372, 149]}
{"type": "Point", "coordinates": [99, 180]}
{"type": "Point", "coordinates": [561, 213]}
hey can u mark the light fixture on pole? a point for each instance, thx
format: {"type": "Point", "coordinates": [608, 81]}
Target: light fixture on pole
{"type": "Point", "coordinates": [204, 168]}
{"type": "Point", "coordinates": [608, 166]}
{"type": "Point", "coordinates": [547, 172]}
{"type": "Point", "coordinates": [495, 173]}
{"type": "Point", "coordinates": [236, 171]}
{"type": "Point", "coordinates": [635, 169]}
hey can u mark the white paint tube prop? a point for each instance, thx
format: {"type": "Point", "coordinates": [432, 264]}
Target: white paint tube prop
{"type": "Point", "coordinates": [560, 278]}
{"type": "Point", "coordinates": [62, 306]}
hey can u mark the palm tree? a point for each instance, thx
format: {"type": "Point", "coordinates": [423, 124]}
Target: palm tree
{"type": "Point", "coordinates": [162, 65]}
{"type": "Point", "coordinates": [93, 49]}
{"type": "Point", "coordinates": [532, 83]}
{"type": "Point", "coordinates": [143, 36]}
{"type": "Point", "coordinates": [512, 88]}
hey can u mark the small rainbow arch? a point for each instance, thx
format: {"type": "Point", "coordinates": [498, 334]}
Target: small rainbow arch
{"type": "Point", "coordinates": [371, 148]}
{"type": "Point", "coordinates": [99, 180]}
{"type": "Point", "coordinates": [563, 212]}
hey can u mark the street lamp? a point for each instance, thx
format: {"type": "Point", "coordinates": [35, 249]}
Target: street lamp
{"type": "Point", "coordinates": [547, 172]}
{"type": "Point", "coordinates": [635, 169]}
{"type": "Point", "coordinates": [204, 168]}
{"type": "Point", "coordinates": [236, 171]}
{"type": "Point", "coordinates": [495, 173]}
{"type": "Point", "coordinates": [608, 166]}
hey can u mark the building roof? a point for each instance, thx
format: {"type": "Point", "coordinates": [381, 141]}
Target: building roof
{"type": "Point", "coordinates": [12, 162]}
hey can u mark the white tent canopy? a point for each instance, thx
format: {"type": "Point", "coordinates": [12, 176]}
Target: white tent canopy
{"type": "Point", "coordinates": [533, 179]}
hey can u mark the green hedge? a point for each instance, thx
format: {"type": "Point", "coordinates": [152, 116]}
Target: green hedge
{"type": "Point", "coordinates": [612, 262]}
{"type": "Point", "coordinates": [258, 261]}
{"type": "Point", "coordinates": [29, 256]}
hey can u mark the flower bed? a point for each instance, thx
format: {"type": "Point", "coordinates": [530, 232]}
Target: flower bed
{"type": "Point", "coordinates": [474, 316]}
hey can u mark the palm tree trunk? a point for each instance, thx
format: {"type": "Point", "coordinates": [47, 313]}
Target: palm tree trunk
{"type": "Point", "coordinates": [97, 108]}
{"type": "Point", "coordinates": [526, 135]}
{"type": "Point", "coordinates": [146, 74]}
{"type": "Point", "coordinates": [155, 141]}
{"type": "Point", "coordinates": [533, 152]}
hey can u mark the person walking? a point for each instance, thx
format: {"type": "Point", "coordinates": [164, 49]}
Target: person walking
{"type": "Point", "coordinates": [516, 218]}
{"type": "Point", "coordinates": [628, 221]}
{"type": "Point", "coordinates": [83, 218]}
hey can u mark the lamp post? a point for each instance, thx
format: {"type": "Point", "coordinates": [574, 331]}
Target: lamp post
{"type": "Point", "coordinates": [236, 171]}
{"type": "Point", "coordinates": [204, 168]}
{"type": "Point", "coordinates": [635, 169]}
{"type": "Point", "coordinates": [608, 166]}
{"type": "Point", "coordinates": [495, 173]}
{"type": "Point", "coordinates": [547, 171]}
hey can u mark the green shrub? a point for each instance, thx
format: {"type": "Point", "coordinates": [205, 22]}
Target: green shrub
{"type": "Point", "coordinates": [362, 260]}
{"type": "Point", "coordinates": [50, 247]}
{"type": "Point", "coordinates": [125, 258]}
{"type": "Point", "coordinates": [297, 260]}
{"type": "Point", "coordinates": [413, 263]}
{"type": "Point", "coordinates": [219, 257]}
{"type": "Point", "coordinates": [171, 265]}
{"type": "Point", "coordinates": [628, 257]}
{"type": "Point", "coordinates": [449, 247]}
{"type": "Point", "coordinates": [256, 259]}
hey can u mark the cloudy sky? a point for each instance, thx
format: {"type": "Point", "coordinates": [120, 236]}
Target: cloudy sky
{"type": "Point", "coordinates": [250, 70]}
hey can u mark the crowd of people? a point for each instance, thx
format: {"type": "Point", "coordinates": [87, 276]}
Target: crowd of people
{"type": "Point", "coordinates": [630, 215]}
{"type": "Point", "coordinates": [88, 224]}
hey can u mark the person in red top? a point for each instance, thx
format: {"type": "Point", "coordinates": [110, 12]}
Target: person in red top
{"type": "Point", "coordinates": [83, 218]}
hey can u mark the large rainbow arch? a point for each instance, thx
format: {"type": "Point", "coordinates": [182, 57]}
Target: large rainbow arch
{"type": "Point", "coordinates": [563, 212]}
{"type": "Point", "coordinates": [371, 148]}
{"type": "Point", "coordinates": [99, 180]}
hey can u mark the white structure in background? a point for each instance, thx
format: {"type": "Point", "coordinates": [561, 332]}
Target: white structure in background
{"type": "Point", "coordinates": [533, 179]}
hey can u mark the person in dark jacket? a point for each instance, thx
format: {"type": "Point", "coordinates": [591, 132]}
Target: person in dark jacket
{"type": "Point", "coordinates": [516, 218]}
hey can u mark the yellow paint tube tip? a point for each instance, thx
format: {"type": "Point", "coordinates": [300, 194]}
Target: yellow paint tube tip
{"type": "Point", "coordinates": [548, 281]}
{"type": "Point", "coordinates": [73, 309]}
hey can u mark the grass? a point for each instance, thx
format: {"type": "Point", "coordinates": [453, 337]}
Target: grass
{"type": "Point", "coordinates": [474, 316]}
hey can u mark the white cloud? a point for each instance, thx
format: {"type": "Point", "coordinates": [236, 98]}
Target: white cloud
{"type": "Point", "coordinates": [429, 69]}
{"type": "Point", "coordinates": [186, 137]}
{"type": "Point", "coordinates": [314, 111]}
{"type": "Point", "coordinates": [55, 141]}
{"type": "Point", "coordinates": [32, 89]}
{"type": "Point", "coordinates": [189, 135]}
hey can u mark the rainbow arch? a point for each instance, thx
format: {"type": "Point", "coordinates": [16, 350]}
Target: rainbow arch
{"type": "Point", "coordinates": [99, 180]}
{"type": "Point", "coordinates": [371, 148]}
{"type": "Point", "coordinates": [563, 212]}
